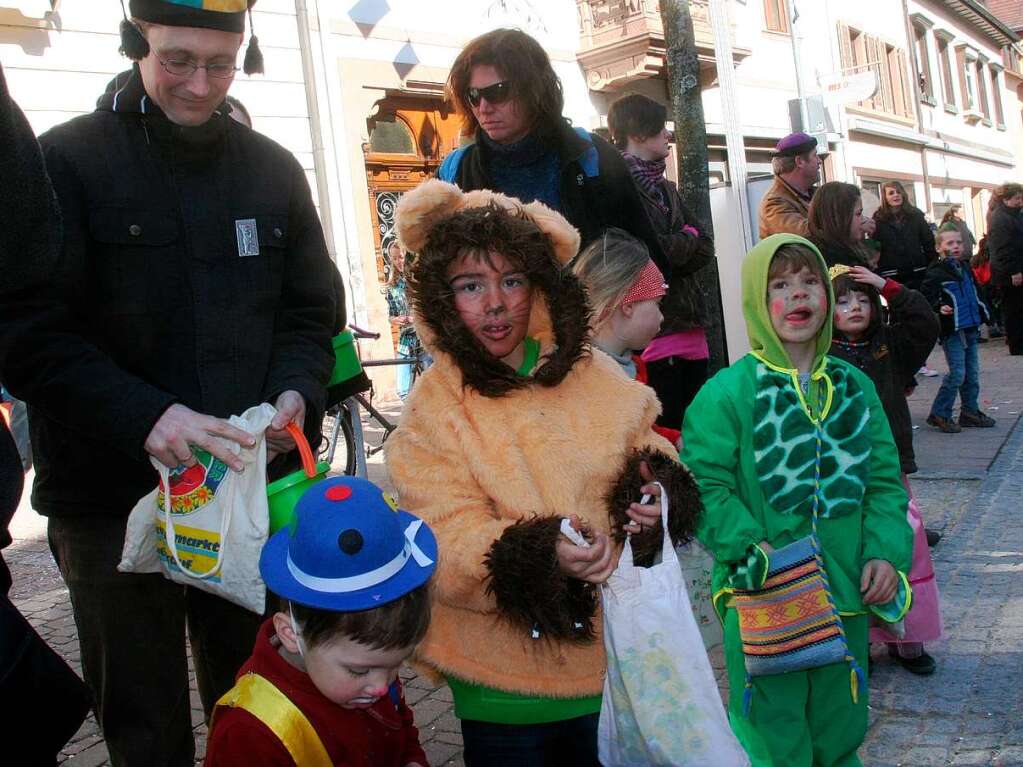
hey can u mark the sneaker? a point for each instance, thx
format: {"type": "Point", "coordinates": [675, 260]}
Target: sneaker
{"type": "Point", "coordinates": [927, 372]}
{"type": "Point", "coordinates": [946, 425]}
{"type": "Point", "coordinates": [933, 536]}
{"type": "Point", "coordinates": [975, 418]}
{"type": "Point", "coordinates": [921, 665]}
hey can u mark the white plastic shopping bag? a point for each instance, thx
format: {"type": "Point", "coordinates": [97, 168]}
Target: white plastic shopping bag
{"type": "Point", "coordinates": [207, 532]}
{"type": "Point", "coordinates": [661, 703]}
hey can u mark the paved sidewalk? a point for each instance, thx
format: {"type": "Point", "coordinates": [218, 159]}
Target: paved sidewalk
{"type": "Point", "coordinates": [970, 713]}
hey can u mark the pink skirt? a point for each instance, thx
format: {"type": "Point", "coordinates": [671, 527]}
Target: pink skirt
{"type": "Point", "coordinates": [923, 622]}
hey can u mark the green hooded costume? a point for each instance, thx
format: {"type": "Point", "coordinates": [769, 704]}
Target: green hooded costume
{"type": "Point", "coordinates": [749, 439]}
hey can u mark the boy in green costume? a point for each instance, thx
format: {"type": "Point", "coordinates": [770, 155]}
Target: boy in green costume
{"type": "Point", "coordinates": [750, 442]}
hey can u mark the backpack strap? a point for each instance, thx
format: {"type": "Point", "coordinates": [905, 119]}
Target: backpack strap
{"type": "Point", "coordinates": [590, 161]}
{"type": "Point", "coordinates": [449, 168]}
{"type": "Point", "coordinates": [261, 698]}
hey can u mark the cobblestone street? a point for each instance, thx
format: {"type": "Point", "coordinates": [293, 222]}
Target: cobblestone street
{"type": "Point", "coordinates": [970, 712]}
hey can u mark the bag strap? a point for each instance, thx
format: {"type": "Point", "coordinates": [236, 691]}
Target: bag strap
{"type": "Point", "coordinates": [168, 526]}
{"type": "Point", "coordinates": [261, 698]}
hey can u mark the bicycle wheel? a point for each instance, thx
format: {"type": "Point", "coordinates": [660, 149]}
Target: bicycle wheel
{"type": "Point", "coordinates": [338, 446]}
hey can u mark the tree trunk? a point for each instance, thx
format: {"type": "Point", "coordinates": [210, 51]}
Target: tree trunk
{"type": "Point", "coordinates": [691, 145]}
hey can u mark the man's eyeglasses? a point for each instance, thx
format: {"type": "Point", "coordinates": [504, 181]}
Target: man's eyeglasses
{"type": "Point", "coordinates": [187, 69]}
{"type": "Point", "coordinates": [497, 93]}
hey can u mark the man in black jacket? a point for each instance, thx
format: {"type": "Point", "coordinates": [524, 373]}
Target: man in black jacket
{"type": "Point", "coordinates": [194, 284]}
{"type": "Point", "coordinates": [510, 100]}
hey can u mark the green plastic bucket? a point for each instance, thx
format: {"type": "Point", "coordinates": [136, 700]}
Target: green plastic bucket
{"type": "Point", "coordinates": [346, 359]}
{"type": "Point", "coordinates": [282, 495]}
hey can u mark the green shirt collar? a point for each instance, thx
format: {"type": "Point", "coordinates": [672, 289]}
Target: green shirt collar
{"type": "Point", "coordinates": [530, 356]}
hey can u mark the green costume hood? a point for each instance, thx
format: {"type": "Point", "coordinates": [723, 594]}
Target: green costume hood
{"type": "Point", "coordinates": [763, 340]}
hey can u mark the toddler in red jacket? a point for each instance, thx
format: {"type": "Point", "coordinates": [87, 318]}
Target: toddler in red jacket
{"type": "Point", "coordinates": [321, 688]}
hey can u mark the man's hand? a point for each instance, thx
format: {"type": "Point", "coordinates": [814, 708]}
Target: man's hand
{"type": "Point", "coordinates": [290, 407]}
{"type": "Point", "coordinates": [645, 515]}
{"type": "Point", "coordinates": [864, 276]}
{"type": "Point", "coordinates": [869, 226]}
{"type": "Point", "coordinates": [1017, 279]}
{"type": "Point", "coordinates": [946, 309]}
{"type": "Point", "coordinates": [594, 564]}
{"type": "Point", "coordinates": [878, 582]}
{"type": "Point", "coordinates": [179, 428]}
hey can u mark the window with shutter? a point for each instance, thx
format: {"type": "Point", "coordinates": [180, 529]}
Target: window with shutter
{"type": "Point", "coordinates": [845, 51]}
{"type": "Point", "coordinates": [996, 97]}
{"type": "Point", "coordinates": [776, 16]}
{"type": "Point", "coordinates": [948, 89]}
{"type": "Point", "coordinates": [923, 62]}
{"type": "Point", "coordinates": [980, 66]}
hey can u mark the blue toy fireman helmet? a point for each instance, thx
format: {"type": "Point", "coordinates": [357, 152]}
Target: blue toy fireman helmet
{"type": "Point", "coordinates": [350, 548]}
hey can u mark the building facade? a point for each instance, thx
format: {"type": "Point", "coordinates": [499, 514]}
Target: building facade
{"type": "Point", "coordinates": [924, 91]}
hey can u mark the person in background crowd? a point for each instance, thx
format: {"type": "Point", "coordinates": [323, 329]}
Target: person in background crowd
{"type": "Point", "coordinates": [510, 101]}
{"type": "Point", "coordinates": [676, 360]}
{"type": "Point", "coordinates": [836, 224]}
{"type": "Point", "coordinates": [889, 352]}
{"type": "Point", "coordinates": [907, 242]}
{"type": "Point", "coordinates": [194, 283]}
{"type": "Point", "coordinates": [625, 290]}
{"type": "Point", "coordinates": [1005, 248]}
{"type": "Point", "coordinates": [954, 216]}
{"type": "Point", "coordinates": [952, 293]}
{"type": "Point", "coordinates": [401, 317]}
{"type": "Point", "coordinates": [785, 207]}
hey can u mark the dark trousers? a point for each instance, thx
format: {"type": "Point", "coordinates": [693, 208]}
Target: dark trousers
{"type": "Point", "coordinates": [676, 381]}
{"type": "Point", "coordinates": [1012, 312]}
{"type": "Point", "coordinates": [554, 744]}
{"type": "Point", "coordinates": [131, 630]}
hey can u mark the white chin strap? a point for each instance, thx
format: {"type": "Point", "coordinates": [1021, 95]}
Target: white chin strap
{"type": "Point", "coordinates": [365, 580]}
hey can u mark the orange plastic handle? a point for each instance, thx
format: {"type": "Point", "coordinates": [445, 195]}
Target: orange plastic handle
{"type": "Point", "coordinates": [308, 463]}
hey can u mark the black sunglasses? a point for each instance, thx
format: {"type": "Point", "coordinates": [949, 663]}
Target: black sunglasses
{"type": "Point", "coordinates": [497, 93]}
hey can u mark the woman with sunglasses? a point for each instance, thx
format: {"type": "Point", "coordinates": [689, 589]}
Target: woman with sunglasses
{"type": "Point", "coordinates": [510, 100]}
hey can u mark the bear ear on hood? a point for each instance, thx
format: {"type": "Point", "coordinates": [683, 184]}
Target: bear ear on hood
{"type": "Point", "coordinates": [563, 236]}
{"type": "Point", "coordinates": [421, 209]}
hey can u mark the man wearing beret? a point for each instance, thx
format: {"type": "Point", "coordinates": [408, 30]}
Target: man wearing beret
{"type": "Point", "coordinates": [796, 166]}
{"type": "Point", "coordinates": [194, 283]}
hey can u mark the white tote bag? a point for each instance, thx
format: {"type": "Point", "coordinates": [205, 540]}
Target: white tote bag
{"type": "Point", "coordinates": [661, 703]}
{"type": "Point", "coordinates": [207, 532]}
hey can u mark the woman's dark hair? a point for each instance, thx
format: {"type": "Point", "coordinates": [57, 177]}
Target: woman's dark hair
{"type": "Point", "coordinates": [395, 625]}
{"type": "Point", "coordinates": [831, 212]}
{"type": "Point", "coordinates": [635, 115]}
{"type": "Point", "coordinates": [950, 215]}
{"type": "Point", "coordinates": [479, 232]}
{"type": "Point", "coordinates": [886, 212]}
{"type": "Point", "coordinates": [522, 61]}
{"type": "Point", "coordinates": [1002, 193]}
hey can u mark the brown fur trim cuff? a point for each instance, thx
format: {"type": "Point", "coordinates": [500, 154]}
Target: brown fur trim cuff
{"type": "Point", "coordinates": [684, 507]}
{"type": "Point", "coordinates": [531, 591]}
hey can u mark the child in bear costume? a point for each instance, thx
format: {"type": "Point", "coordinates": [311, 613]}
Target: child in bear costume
{"type": "Point", "coordinates": [518, 425]}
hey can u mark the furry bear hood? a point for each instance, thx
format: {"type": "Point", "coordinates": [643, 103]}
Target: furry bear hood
{"type": "Point", "coordinates": [559, 318]}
